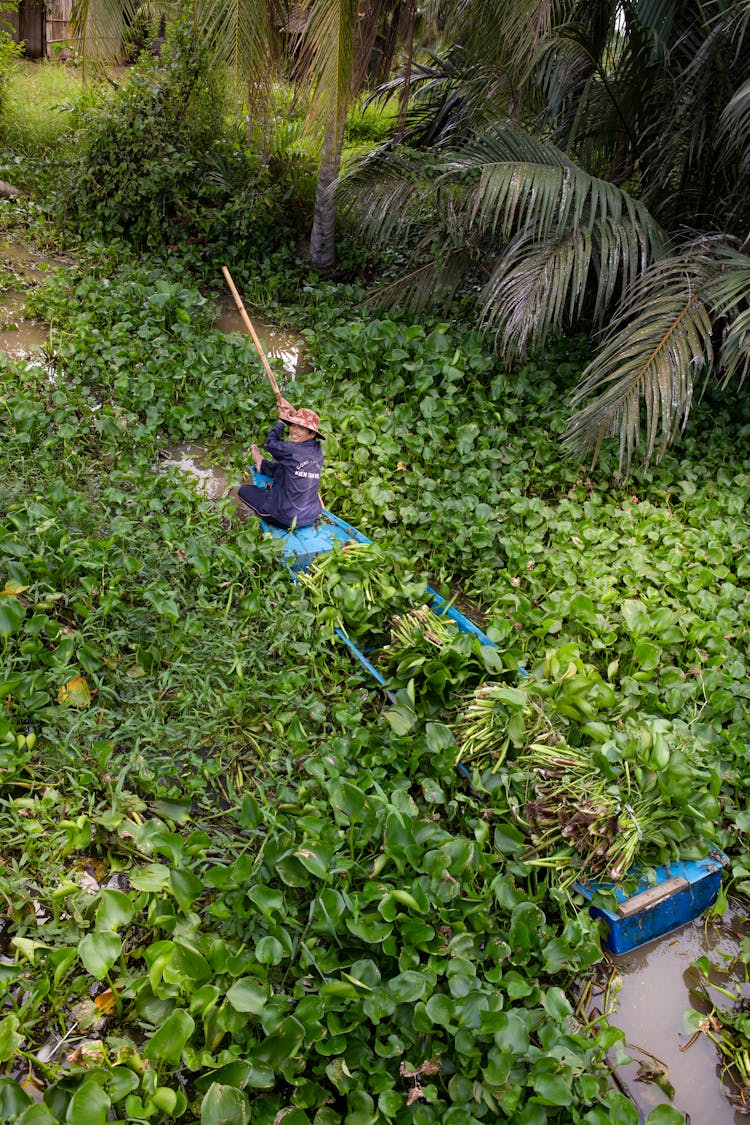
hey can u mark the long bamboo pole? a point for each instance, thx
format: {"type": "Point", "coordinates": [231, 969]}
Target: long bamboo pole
{"type": "Point", "coordinates": [253, 333]}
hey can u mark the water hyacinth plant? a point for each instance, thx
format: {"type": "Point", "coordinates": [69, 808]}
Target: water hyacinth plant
{"type": "Point", "coordinates": [359, 586]}
{"type": "Point", "coordinates": [234, 894]}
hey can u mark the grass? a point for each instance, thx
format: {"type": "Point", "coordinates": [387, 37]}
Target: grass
{"type": "Point", "coordinates": [40, 98]}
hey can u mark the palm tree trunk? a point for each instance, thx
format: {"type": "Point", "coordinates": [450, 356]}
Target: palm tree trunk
{"type": "Point", "coordinates": [323, 233]}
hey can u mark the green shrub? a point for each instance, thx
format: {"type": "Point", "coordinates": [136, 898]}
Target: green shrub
{"type": "Point", "coordinates": [149, 150]}
{"type": "Point", "coordinates": [9, 51]}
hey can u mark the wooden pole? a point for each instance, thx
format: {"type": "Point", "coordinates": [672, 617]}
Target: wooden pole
{"type": "Point", "coordinates": [253, 333]}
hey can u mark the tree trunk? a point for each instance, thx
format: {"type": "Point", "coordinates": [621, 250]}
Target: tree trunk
{"type": "Point", "coordinates": [323, 233]}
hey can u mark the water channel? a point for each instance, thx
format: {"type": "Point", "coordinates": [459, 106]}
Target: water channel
{"type": "Point", "coordinates": [654, 986]}
{"type": "Point", "coordinates": [654, 989]}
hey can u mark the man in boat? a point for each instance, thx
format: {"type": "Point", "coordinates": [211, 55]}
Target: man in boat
{"type": "Point", "coordinates": [294, 495]}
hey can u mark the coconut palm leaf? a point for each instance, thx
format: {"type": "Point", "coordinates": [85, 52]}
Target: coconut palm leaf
{"type": "Point", "coordinates": [437, 278]}
{"type": "Point", "coordinates": [538, 285]}
{"type": "Point", "coordinates": [735, 123]}
{"type": "Point", "coordinates": [487, 27]}
{"type": "Point", "coordinates": [99, 27]}
{"type": "Point", "coordinates": [657, 346]}
{"type": "Point", "coordinates": [734, 356]}
{"type": "Point", "coordinates": [244, 33]}
{"type": "Point", "coordinates": [448, 95]}
{"type": "Point", "coordinates": [729, 297]}
{"type": "Point", "coordinates": [390, 196]}
{"type": "Point", "coordinates": [521, 182]}
{"type": "Point", "coordinates": [327, 57]}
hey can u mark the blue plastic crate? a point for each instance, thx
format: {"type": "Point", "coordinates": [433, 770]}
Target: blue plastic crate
{"type": "Point", "coordinates": [682, 891]}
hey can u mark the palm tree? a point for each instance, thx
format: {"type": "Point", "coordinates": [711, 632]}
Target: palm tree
{"type": "Point", "coordinates": [337, 53]}
{"type": "Point", "coordinates": [603, 181]}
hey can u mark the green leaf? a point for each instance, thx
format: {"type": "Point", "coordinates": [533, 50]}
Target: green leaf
{"type": "Point", "coordinates": [408, 986]}
{"type": "Point", "coordinates": [37, 1115]}
{"type": "Point", "coordinates": [12, 613]}
{"type": "Point", "coordinates": [167, 1043]}
{"type": "Point", "coordinates": [636, 616]}
{"type": "Point", "coordinates": [439, 737]}
{"type": "Point", "coordinates": [99, 951]}
{"type": "Point", "coordinates": [224, 1105]}
{"type": "Point", "coordinates": [369, 928]}
{"type": "Point", "coordinates": [268, 901]}
{"type": "Point", "coordinates": [187, 964]}
{"type": "Point", "coordinates": [556, 1004]}
{"type": "Point", "coordinates": [88, 1106]}
{"type": "Point", "coordinates": [316, 860]}
{"type": "Point", "coordinates": [121, 1081]}
{"type": "Point", "coordinates": [665, 1115]}
{"type": "Point", "coordinates": [10, 1040]}
{"type": "Point", "coordinates": [12, 1098]}
{"type": "Point", "coordinates": [402, 719]}
{"type": "Point", "coordinates": [114, 909]}
{"type": "Point", "coordinates": [646, 655]}
{"type": "Point", "coordinates": [187, 887]}
{"type": "Point", "coordinates": [248, 995]}
{"type": "Point", "coordinates": [349, 800]}
{"type": "Point", "coordinates": [153, 877]}
{"type": "Point", "coordinates": [282, 1044]}
{"type": "Point", "coordinates": [269, 951]}
{"type": "Point", "coordinates": [440, 1009]}
{"type": "Point", "coordinates": [552, 1089]}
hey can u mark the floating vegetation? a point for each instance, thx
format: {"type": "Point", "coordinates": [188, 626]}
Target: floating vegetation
{"type": "Point", "coordinates": [360, 586]}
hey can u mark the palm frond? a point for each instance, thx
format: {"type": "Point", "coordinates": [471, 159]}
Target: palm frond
{"type": "Point", "coordinates": [99, 27]}
{"type": "Point", "coordinates": [735, 123]}
{"type": "Point", "coordinates": [643, 378]}
{"type": "Point", "coordinates": [449, 97]}
{"type": "Point", "coordinates": [390, 196]}
{"type": "Point", "coordinates": [540, 284]}
{"type": "Point", "coordinates": [487, 27]}
{"type": "Point", "coordinates": [734, 355]}
{"type": "Point", "coordinates": [519, 183]}
{"type": "Point", "coordinates": [327, 57]}
{"type": "Point", "coordinates": [729, 297]}
{"type": "Point", "coordinates": [243, 33]}
{"type": "Point", "coordinates": [536, 285]}
{"type": "Point", "coordinates": [438, 278]}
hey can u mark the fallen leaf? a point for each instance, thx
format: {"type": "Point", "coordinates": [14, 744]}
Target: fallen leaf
{"type": "Point", "coordinates": [75, 693]}
{"type": "Point", "coordinates": [105, 1001]}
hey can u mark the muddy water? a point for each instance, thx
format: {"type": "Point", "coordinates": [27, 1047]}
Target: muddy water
{"type": "Point", "coordinates": [22, 337]}
{"type": "Point", "coordinates": [657, 989]}
{"type": "Point", "coordinates": [276, 342]}
{"type": "Point", "coordinates": [210, 480]}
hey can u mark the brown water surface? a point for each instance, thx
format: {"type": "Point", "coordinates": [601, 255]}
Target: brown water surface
{"type": "Point", "coordinates": [277, 343]}
{"type": "Point", "coordinates": [211, 480]}
{"type": "Point", "coordinates": [22, 337]}
{"type": "Point", "coordinates": [657, 989]}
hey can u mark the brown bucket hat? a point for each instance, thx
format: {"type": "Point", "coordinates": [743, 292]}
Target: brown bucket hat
{"type": "Point", "coordinates": [307, 418]}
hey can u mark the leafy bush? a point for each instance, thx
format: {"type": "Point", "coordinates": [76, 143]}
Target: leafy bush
{"type": "Point", "coordinates": [148, 149]}
{"type": "Point", "coordinates": [9, 51]}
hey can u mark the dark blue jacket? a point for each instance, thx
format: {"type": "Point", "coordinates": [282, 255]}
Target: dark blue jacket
{"type": "Point", "coordinates": [295, 470]}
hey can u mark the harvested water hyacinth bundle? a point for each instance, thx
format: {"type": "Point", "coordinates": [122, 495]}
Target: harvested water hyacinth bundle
{"type": "Point", "coordinates": [495, 718]}
{"type": "Point", "coordinates": [359, 587]}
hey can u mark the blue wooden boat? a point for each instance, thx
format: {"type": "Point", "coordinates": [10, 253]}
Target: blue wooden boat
{"type": "Point", "coordinates": [300, 547]}
{"type": "Point", "coordinates": [675, 893]}
{"type": "Point", "coordinates": [671, 897]}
